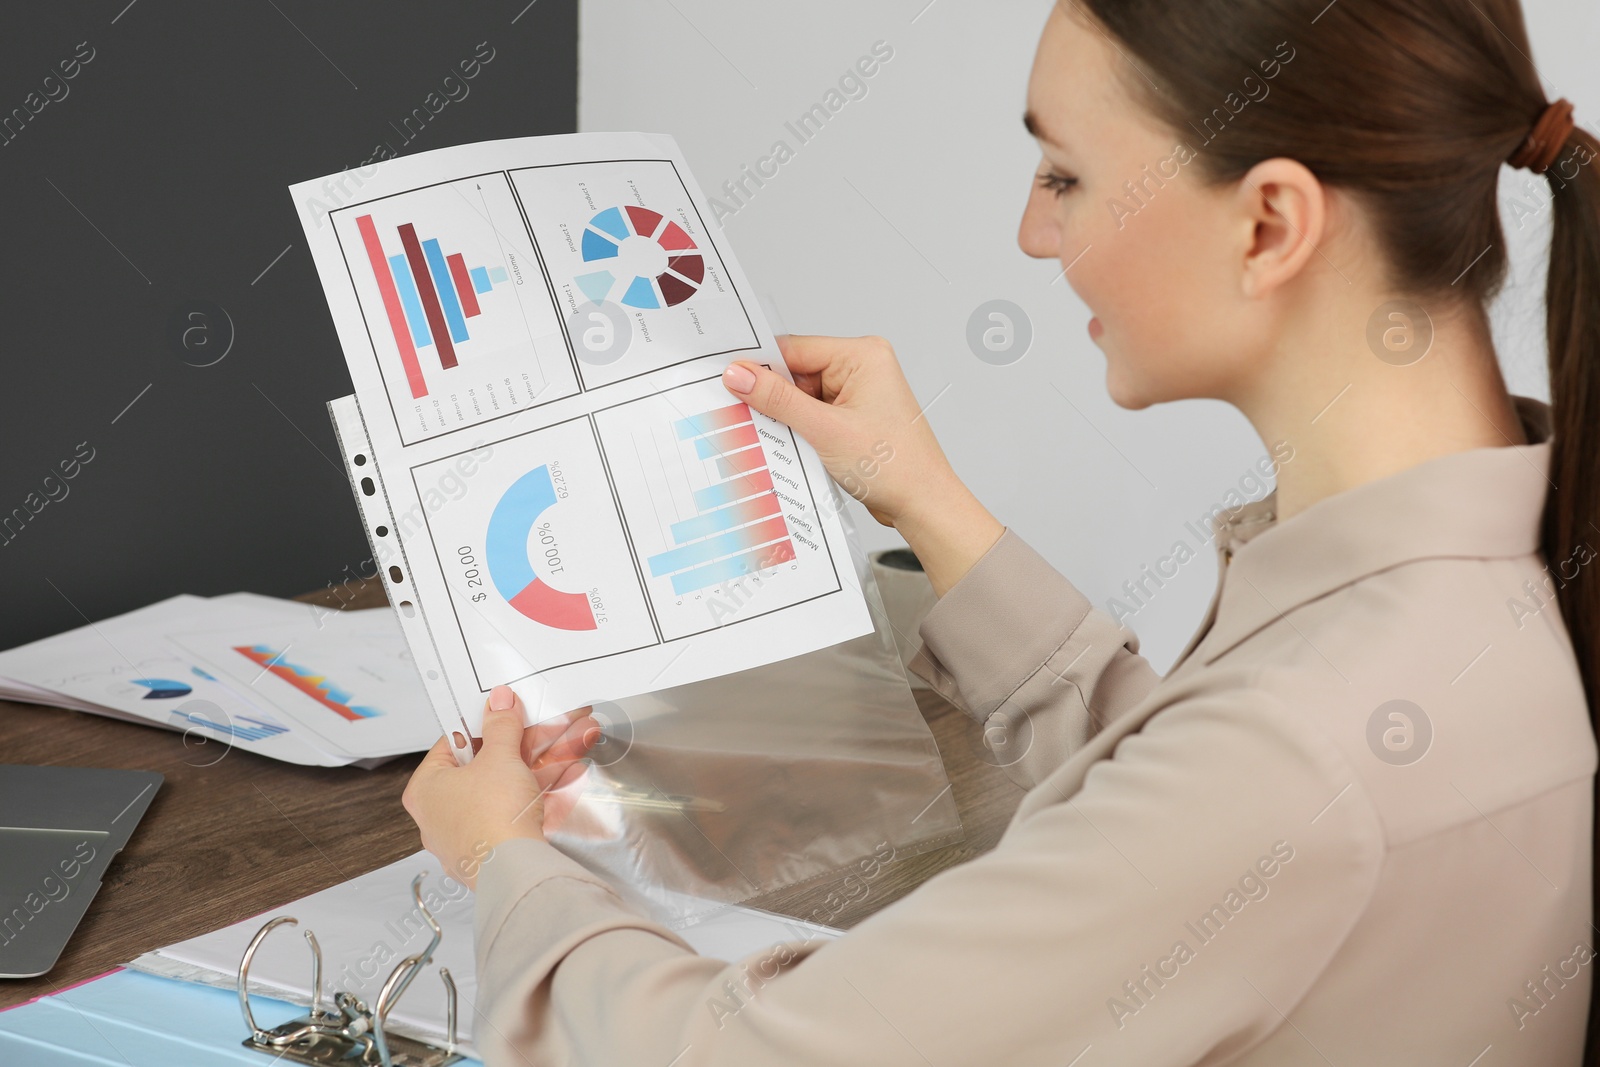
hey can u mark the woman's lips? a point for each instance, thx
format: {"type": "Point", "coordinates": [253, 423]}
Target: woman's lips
{"type": "Point", "coordinates": [1095, 329]}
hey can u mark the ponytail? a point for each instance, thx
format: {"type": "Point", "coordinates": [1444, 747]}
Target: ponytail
{"type": "Point", "coordinates": [1571, 526]}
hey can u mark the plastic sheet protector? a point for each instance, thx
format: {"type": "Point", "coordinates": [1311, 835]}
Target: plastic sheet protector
{"type": "Point", "coordinates": [561, 495]}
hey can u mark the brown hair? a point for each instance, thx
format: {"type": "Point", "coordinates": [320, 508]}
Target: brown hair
{"type": "Point", "coordinates": [1411, 106]}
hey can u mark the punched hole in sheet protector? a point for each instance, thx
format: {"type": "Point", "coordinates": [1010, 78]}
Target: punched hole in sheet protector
{"type": "Point", "coordinates": [408, 609]}
{"type": "Point", "coordinates": [367, 487]}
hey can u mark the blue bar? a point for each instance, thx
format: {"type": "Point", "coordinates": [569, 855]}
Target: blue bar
{"type": "Point", "coordinates": [710, 422]}
{"type": "Point", "coordinates": [708, 524]}
{"type": "Point", "coordinates": [677, 559]}
{"type": "Point", "coordinates": [715, 573]}
{"type": "Point", "coordinates": [480, 280]}
{"type": "Point", "coordinates": [446, 286]}
{"type": "Point", "coordinates": [407, 287]}
{"type": "Point", "coordinates": [724, 493]}
{"type": "Point", "coordinates": [498, 274]}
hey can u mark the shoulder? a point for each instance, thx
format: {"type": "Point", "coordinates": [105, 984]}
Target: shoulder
{"type": "Point", "coordinates": [1443, 685]}
{"type": "Point", "coordinates": [1220, 798]}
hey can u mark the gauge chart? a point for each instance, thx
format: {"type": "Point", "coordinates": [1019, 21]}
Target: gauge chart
{"type": "Point", "coordinates": [513, 524]}
{"type": "Point", "coordinates": [535, 557]}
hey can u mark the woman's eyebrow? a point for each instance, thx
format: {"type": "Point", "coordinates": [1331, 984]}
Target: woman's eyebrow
{"type": "Point", "coordinates": [1031, 121]}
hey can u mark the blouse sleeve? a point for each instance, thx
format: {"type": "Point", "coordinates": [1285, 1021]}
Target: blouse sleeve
{"type": "Point", "coordinates": [1021, 650]}
{"type": "Point", "coordinates": [1179, 903]}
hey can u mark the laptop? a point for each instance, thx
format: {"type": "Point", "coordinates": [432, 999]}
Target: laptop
{"type": "Point", "coordinates": [60, 828]}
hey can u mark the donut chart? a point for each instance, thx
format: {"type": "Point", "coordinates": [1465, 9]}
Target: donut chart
{"type": "Point", "coordinates": [506, 554]}
{"type": "Point", "coordinates": [603, 240]}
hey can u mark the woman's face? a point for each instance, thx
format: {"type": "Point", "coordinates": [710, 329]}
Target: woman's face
{"type": "Point", "coordinates": [1154, 252]}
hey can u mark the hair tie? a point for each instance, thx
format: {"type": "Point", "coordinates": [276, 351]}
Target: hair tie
{"type": "Point", "coordinates": [1544, 142]}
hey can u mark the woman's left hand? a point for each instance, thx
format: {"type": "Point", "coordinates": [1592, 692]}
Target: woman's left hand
{"type": "Point", "coordinates": [464, 812]}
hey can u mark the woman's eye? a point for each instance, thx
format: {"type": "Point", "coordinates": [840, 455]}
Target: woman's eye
{"type": "Point", "coordinates": [1058, 184]}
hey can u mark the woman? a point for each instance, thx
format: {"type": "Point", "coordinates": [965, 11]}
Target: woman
{"type": "Point", "coordinates": [1353, 824]}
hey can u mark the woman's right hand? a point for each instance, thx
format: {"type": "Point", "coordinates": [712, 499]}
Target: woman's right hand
{"type": "Point", "coordinates": [853, 404]}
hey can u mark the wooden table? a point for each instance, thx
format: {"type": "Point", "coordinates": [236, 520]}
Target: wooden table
{"type": "Point", "coordinates": [232, 834]}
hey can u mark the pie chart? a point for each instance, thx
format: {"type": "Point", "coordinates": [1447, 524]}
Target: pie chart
{"type": "Point", "coordinates": [652, 259]}
{"type": "Point", "coordinates": [510, 568]}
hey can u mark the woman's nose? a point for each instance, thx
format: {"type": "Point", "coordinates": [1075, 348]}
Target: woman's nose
{"type": "Point", "coordinates": [1040, 233]}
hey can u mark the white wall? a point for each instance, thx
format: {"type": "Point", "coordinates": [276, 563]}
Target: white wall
{"type": "Point", "coordinates": [899, 218]}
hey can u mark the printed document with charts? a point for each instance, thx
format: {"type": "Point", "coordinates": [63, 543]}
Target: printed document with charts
{"type": "Point", "coordinates": [560, 494]}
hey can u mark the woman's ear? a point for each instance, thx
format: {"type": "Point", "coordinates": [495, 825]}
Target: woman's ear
{"type": "Point", "coordinates": [1283, 213]}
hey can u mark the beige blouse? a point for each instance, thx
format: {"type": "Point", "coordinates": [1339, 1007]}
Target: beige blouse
{"type": "Point", "coordinates": [1350, 826]}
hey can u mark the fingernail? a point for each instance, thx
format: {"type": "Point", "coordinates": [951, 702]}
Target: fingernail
{"type": "Point", "coordinates": [501, 698]}
{"type": "Point", "coordinates": [739, 378]}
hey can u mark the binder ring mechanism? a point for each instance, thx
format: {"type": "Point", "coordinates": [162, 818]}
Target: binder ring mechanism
{"type": "Point", "coordinates": [351, 1034]}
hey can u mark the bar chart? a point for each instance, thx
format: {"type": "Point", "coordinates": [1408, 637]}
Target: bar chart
{"type": "Point", "coordinates": [428, 296]}
{"type": "Point", "coordinates": [307, 680]}
{"type": "Point", "coordinates": [461, 321]}
{"type": "Point", "coordinates": [729, 538]}
{"type": "Point", "coordinates": [717, 506]}
{"type": "Point", "coordinates": [239, 727]}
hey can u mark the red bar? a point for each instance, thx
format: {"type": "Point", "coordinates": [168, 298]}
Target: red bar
{"type": "Point", "coordinates": [740, 462]}
{"type": "Point", "coordinates": [736, 438]}
{"type": "Point", "coordinates": [707, 421]}
{"type": "Point", "coordinates": [391, 306]}
{"type": "Point", "coordinates": [772, 555]}
{"type": "Point", "coordinates": [430, 296]}
{"type": "Point", "coordinates": [463, 280]}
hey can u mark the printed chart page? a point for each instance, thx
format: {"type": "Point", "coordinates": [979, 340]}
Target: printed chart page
{"type": "Point", "coordinates": [560, 494]}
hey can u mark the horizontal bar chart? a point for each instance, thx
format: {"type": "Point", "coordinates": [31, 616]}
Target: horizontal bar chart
{"type": "Point", "coordinates": [739, 528]}
{"type": "Point", "coordinates": [428, 295]}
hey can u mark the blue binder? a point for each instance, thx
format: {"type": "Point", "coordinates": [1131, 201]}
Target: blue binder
{"type": "Point", "coordinates": [130, 1019]}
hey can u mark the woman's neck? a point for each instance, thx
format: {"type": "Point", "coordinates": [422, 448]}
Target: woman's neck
{"type": "Point", "coordinates": [1353, 416]}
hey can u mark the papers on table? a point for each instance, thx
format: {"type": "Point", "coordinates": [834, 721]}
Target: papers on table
{"type": "Point", "coordinates": [368, 924]}
{"type": "Point", "coordinates": [292, 681]}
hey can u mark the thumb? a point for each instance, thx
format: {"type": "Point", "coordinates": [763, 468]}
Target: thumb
{"type": "Point", "coordinates": [502, 723]}
{"type": "Point", "coordinates": [775, 396]}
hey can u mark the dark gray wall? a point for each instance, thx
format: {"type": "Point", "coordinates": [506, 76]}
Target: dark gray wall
{"type": "Point", "coordinates": [151, 185]}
